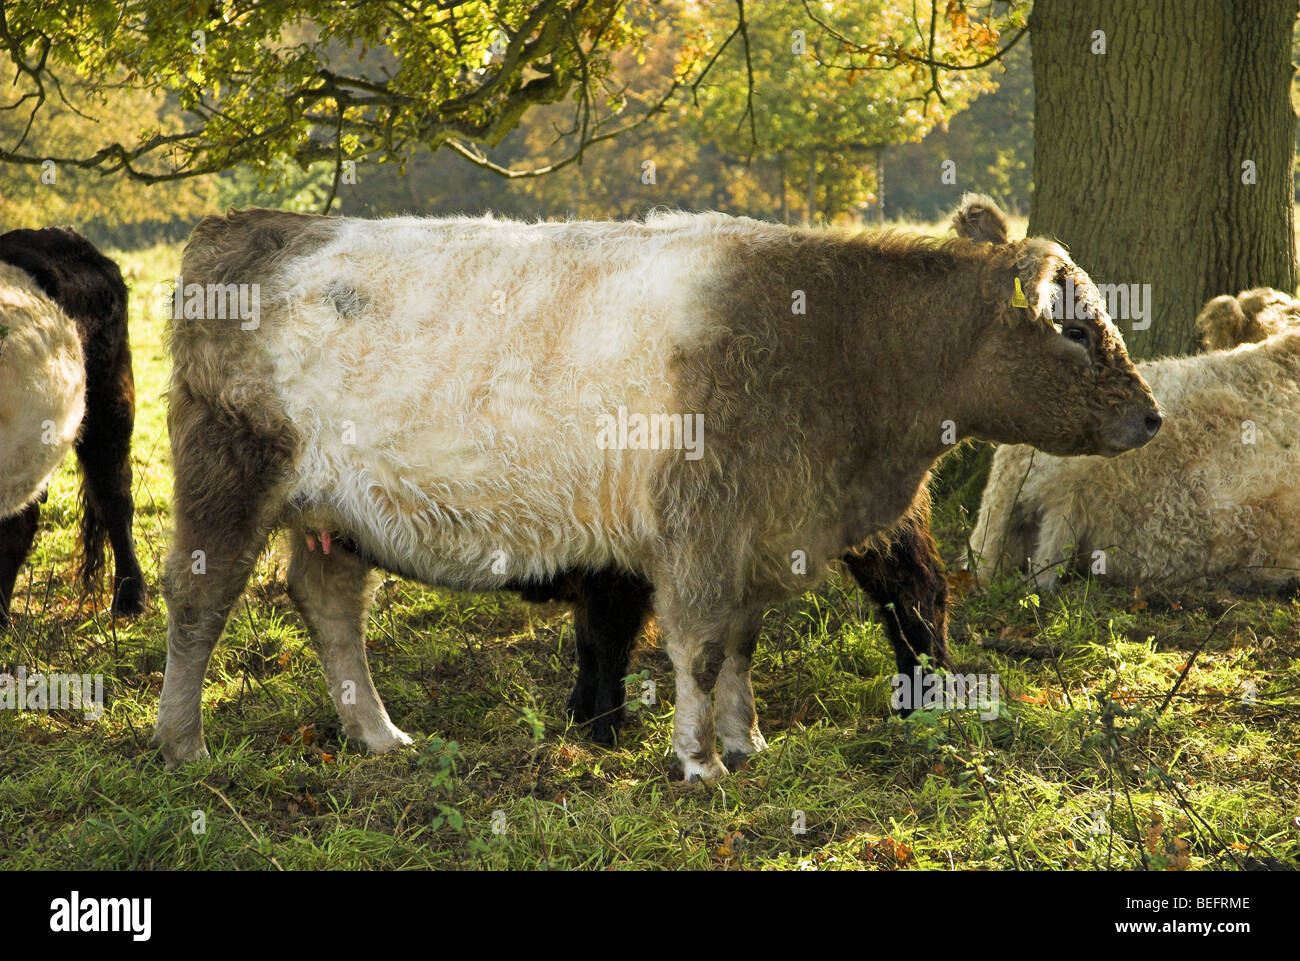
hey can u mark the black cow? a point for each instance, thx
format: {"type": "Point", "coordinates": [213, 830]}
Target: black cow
{"type": "Point", "coordinates": [90, 290]}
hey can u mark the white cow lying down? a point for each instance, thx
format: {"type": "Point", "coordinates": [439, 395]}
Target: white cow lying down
{"type": "Point", "coordinates": [42, 388]}
{"type": "Point", "coordinates": [1214, 499]}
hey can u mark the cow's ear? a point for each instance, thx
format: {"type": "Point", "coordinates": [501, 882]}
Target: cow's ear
{"type": "Point", "coordinates": [1036, 283]}
{"type": "Point", "coordinates": [978, 218]}
{"type": "Point", "coordinates": [1222, 323]}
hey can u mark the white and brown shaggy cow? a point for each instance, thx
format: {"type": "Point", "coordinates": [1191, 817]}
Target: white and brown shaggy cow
{"type": "Point", "coordinates": [1213, 501]}
{"type": "Point", "coordinates": [42, 389]}
{"type": "Point", "coordinates": [448, 398]}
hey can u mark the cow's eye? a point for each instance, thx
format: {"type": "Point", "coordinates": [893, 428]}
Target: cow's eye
{"type": "Point", "coordinates": [1077, 334]}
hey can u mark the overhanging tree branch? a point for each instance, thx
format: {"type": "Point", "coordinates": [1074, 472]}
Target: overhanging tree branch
{"type": "Point", "coordinates": [549, 47]}
{"type": "Point", "coordinates": [891, 55]}
{"type": "Point", "coordinates": [251, 97]}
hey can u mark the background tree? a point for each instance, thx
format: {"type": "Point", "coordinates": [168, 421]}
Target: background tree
{"type": "Point", "coordinates": [130, 213]}
{"type": "Point", "coordinates": [269, 94]}
{"type": "Point", "coordinates": [780, 98]}
{"type": "Point", "coordinates": [991, 145]}
{"type": "Point", "coordinates": [262, 81]}
{"type": "Point", "coordinates": [829, 105]}
{"type": "Point", "coordinates": [1167, 159]}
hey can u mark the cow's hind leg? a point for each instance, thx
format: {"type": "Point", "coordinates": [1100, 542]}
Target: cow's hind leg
{"type": "Point", "coordinates": [696, 661]}
{"type": "Point", "coordinates": [203, 575]}
{"type": "Point", "coordinates": [104, 449]}
{"type": "Point", "coordinates": [16, 536]}
{"type": "Point", "coordinates": [333, 591]}
{"type": "Point", "coordinates": [608, 615]}
{"type": "Point", "coordinates": [227, 480]}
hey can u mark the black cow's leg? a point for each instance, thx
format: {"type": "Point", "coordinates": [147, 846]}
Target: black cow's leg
{"type": "Point", "coordinates": [16, 536]}
{"type": "Point", "coordinates": [104, 450]}
{"type": "Point", "coordinates": [905, 579]}
{"type": "Point", "coordinates": [582, 701]}
{"type": "Point", "coordinates": [610, 610]}
{"type": "Point", "coordinates": [619, 612]}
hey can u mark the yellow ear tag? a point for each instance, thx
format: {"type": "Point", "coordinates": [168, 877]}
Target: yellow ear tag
{"type": "Point", "coordinates": [1018, 299]}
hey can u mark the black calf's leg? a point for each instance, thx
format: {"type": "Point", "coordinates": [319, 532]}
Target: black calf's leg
{"type": "Point", "coordinates": [16, 535]}
{"type": "Point", "coordinates": [617, 614]}
{"type": "Point", "coordinates": [582, 702]}
{"type": "Point", "coordinates": [610, 608]}
{"type": "Point", "coordinates": [104, 449]}
{"type": "Point", "coordinates": [905, 579]}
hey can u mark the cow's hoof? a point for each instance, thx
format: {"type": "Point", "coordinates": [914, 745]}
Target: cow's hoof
{"type": "Point", "coordinates": [695, 771]}
{"type": "Point", "coordinates": [737, 760]}
{"type": "Point", "coordinates": [742, 747]}
{"type": "Point", "coordinates": [387, 740]}
{"type": "Point", "coordinates": [130, 598]}
{"type": "Point", "coordinates": [604, 730]}
{"type": "Point", "coordinates": [582, 705]}
{"type": "Point", "coordinates": [179, 751]}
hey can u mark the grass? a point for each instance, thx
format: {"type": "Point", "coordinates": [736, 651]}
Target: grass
{"type": "Point", "coordinates": [1085, 766]}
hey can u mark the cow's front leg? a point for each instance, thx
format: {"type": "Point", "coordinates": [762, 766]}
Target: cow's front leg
{"type": "Point", "coordinates": [332, 591]}
{"type": "Point", "coordinates": [735, 710]}
{"type": "Point", "coordinates": [696, 644]}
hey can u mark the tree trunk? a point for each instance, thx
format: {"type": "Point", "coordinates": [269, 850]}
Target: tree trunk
{"type": "Point", "coordinates": [1140, 152]}
{"type": "Point", "coordinates": [812, 186]}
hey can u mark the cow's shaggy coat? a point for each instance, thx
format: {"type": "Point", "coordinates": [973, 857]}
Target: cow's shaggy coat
{"type": "Point", "coordinates": [1213, 501]}
{"type": "Point", "coordinates": [89, 288]}
{"type": "Point", "coordinates": [445, 423]}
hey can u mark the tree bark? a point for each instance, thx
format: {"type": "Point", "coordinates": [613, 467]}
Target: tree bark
{"type": "Point", "coordinates": [1139, 152]}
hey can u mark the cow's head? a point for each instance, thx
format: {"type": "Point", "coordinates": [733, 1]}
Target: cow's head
{"type": "Point", "coordinates": [1052, 368]}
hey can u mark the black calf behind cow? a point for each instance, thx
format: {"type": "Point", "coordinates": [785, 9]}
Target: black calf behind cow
{"type": "Point", "coordinates": [90, 290]}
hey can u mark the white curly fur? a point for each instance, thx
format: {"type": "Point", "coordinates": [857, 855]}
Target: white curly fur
{"type": "Point", "coordinates": [1252, 315]}
{"type": "Point", "coordinates": [1201, 504]}
{"type": "Point", "coordinates": [474, 379]}
{"type": "Point", "coordinates": [42, 389]}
